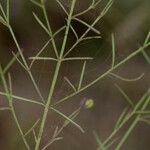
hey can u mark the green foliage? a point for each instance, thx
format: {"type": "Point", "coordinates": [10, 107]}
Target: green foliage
{"type": "Point", "coordinates": [49, 104]}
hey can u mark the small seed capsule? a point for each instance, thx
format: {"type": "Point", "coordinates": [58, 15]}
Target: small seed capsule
{"type": "Point", "coordinates": [87, 103]}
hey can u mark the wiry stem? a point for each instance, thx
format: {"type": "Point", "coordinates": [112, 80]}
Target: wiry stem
{"type": "Point", "coordinates": [55, 76]}
{"type": "Point", "coordinates": [10, 101]}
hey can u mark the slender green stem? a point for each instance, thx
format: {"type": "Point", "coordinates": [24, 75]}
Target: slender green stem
{"type": "Point", "coordinates": [104, 74]}
{"type": "Point", "coordinates": [25, 63]}
{"type": "Point", "coordinates": [138, 105]}
{"type": "Point", "coordinates": [55, 76]}
{"type": "Point", "coordinates": [49, 27]}
{"type": "Point", "coordinates": [10, 101]}
{"type": "Point", "coordinates": [113, 51]}
{"type": "Point", "coordinates": [89, 28]}
{"type": "Point", "coordinates": [133, 125]}
{"type": "Point", "coordinates": [6, 16]}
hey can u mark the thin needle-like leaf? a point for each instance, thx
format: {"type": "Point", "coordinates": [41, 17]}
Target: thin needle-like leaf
{"type": "Point", "coordinates": [46, 44]}
{"type": "Point", "coordinates": [35, 137]}
{"type": "Point", "coordinates": [41, 24]}
{"type": "Point", "coordinates": [77, 58]}
{"type": "Point", "coordinates": [31, 129]}
{"type": "Point", "coordinates": [39, 52]}
{"type": "Point", "coordinates": [72, 117]}
{"type": "Point", "coordinates": [104, 74]}
{"type": "Point", "coordinates": [92, 6]}
{"type": "Point", "coordinates": [3, 21]}
{"type": "Point", "coordinates": [113, 51]}
{"type": "Point", "coordinates": [75, 33]}
{"type": "Point", "coordinates": [67, 118]}
{"type": "Point", "coordinates": [133, 124]}
{"type": "Point", "coordinates": [145, 120]}
{"type": "Point", "coordinates": [8, 9]}
{"type": "Point", "coordinates": [82, 75]}
{"type": "Point", "coordinates": [87, 25]}
{"type": "Point", "coordinates": [43, 58]}
{"type": "Point", "coordinates": [11, 62]}
{"type": "Point", "coordinates": [49, 28]}
{"type": "Point", "coordinates": [96, 3]}
{"type": "Point", "coordinates": [147, 58]}
{"type": "Point", "coordinates": [51, 141]}
{"type": "Point", "coordinates": [19, 98]}
{"type": "Point", "coordinates": [71, 85]}
{"type": "Point", "coordinates": [91, 37]}
{"type": "Point", "coordinates": [10, 100]}
{"type": "Point", "coordinates": [100, 144]}
{"type": "Point", "coordinates": [63, 8]}
{"type": "Point", "coordinates": [111, 143]}
{"type": "Point", "coordinates": [125, 96]}
{"type": "Point", "coordinates": [142, 112]}
{"type": "Point", "coordinates": [36, 3]}
{"type": "Point", "coordinates": [3, 12]}
{"type": "Point", "coordinates": [125, 79]}
{"type": "Point", "coordinates": [121, 117]}
{"type": "Point", "coordinates": [4, 108]}
{"type": "Point", "coordinates": [19, 61]}
{"type": "Point", "coordinates": [104, 11]}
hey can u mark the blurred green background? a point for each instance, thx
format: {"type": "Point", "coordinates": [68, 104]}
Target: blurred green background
{"type": "Point", "coordinates": [129, 20]}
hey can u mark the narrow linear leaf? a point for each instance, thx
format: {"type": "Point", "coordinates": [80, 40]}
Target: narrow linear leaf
{"type": "Point", "coordinates": [87, 25]}
{"type": "Point", "coordinates": [16, 57]}
{"type": "Point", "coordinates": [146, 56]}
{"type": "Point", "coordinates": [96, 3]}
{"type": "Point", "coordinates": [63, 8]}
{"type": "Point", "coordinates": [10, 87]}
{"type": "Point", "coordinates": [142, 112]}
{"type": "Point", "coordinates": [121, 117]}
{"type": "Point", "coordinates": [75, 33]}
{"type": "Point", "coordinates": [58, 131]}
{"type": "Point", "coordinates": [102, 14]}
{"type": "Point", "coordinates": [7, 9]}
{"type": "Point", "coordinates": [10, 100]}
{"type": "Point", "coordinates": [55, 131]}
{"type": "Point", "coordinates": [111, 143]}
{"type": "Point", "coordinates": [71, 85]}
{"type": "Point", "coordinates": [46, 44]}
{"type": "Point", "coordinates": [85, 11]}
{"type": "Point", "coordinates": [125, 96]}
{"type": "Point", "coordinates": [39, 52]}
{"type": "Point", "coordinates": [77, 58]}
{"type": "Point", "coordinates": [127, 80]}
{"type": "Point", "coordinates": [72, 117]}
{"type": "Point", "coordinates": [4, 108]}
{"type": "Point", "coordinates": [100, 144]}
{"type": "Point", "coordinates": [32, 127]}
{"type": "Point", "coordinates": [135, 53]}
{"type": "Point", "coordinates": [3, 12]}
{"type": "Point", "coordinates": [82, 75]}
{"type": "Point", "coordinates": [19, 98]}
{"type": "Point", "coordinates": [113, 51]}
{"type": "Point", "coordinates": [36, 3]}
{"type": "Point", "coordinates": [3, 21]}
{"type": "Point", "coordinates": [35, 137]}
{"type": "Point", "coordinates": [10, 63]}
{"type": "Point", "coordinates": [67, 118]}
{"type": "Point", "coordinates": [133, 124]}
{"type": "Point", "coordinates": [91, 37]}
{"type": "Point", "coordinates": [51, 141]}
{"type": "Point", "coordinates": [41, 24]}
{"type": "Point", "coordinates": [43, 58]}
{"type": "Point", "coordinates": [59, 30]}
{"type": "Point", "coordinates": [145, 120]}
